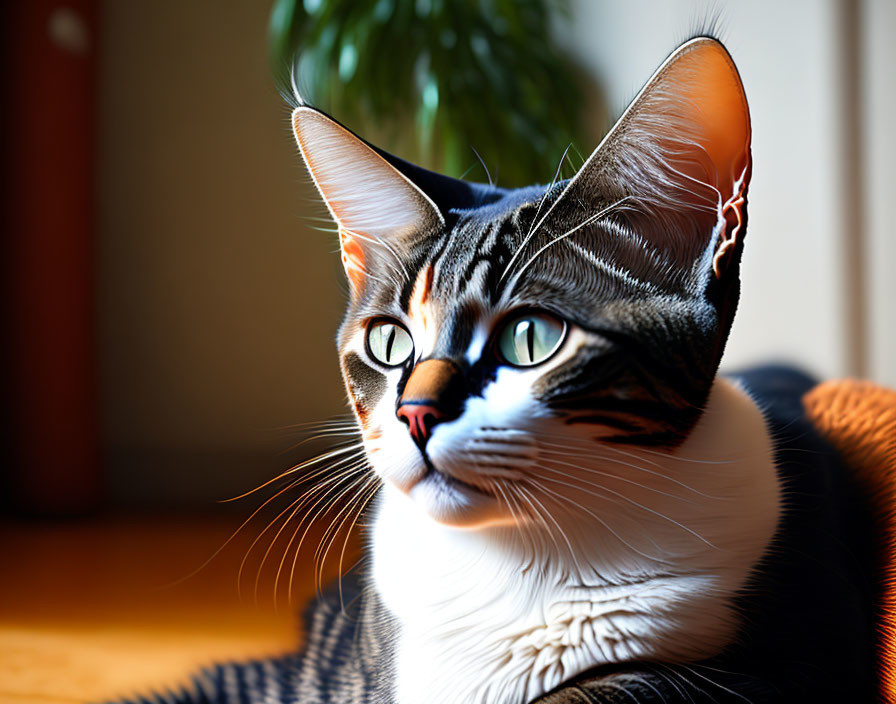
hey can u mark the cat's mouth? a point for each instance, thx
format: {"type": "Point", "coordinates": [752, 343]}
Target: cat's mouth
{"type": "Point", "coordinates": [453, 501]}
{"type": "Point", "coordinates": [447, 481]}
{"type": "Point", "coordinates": [454, 489]}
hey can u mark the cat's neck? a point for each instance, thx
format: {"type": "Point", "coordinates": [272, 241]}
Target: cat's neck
{"type": "Point", "coordinates": [503, 614]}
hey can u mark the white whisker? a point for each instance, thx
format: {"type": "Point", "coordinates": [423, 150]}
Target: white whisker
{"type": "Point", "coordinates": [568, 500]}
{"type": "Point", "coordinates": [624, 498]}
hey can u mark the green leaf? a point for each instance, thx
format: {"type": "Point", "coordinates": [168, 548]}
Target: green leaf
{"type": "Point", "coordinates": [487, 75]}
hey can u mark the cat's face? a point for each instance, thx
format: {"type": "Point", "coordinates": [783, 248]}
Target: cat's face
{"type": "Point", "coordinates": [494, 337]}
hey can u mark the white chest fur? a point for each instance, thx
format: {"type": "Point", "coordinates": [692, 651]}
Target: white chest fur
{"type": "Point", "coordinates": [496, 616]}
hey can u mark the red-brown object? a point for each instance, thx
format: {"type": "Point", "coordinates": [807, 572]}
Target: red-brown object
{"type": "Point", "coordinates": [858, 418]}
{"type": "Point", "coordinates": [48, 134]}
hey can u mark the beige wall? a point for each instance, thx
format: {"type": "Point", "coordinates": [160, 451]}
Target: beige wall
{"type": "Point", "coordinates": [218, 302]}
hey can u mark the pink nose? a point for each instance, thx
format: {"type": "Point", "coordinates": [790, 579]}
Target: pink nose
{"type": "Point", "coordinates": [420, 419]}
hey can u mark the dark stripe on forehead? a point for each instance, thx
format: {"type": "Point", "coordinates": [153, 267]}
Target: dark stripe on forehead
{"type": "Point", "coordinates": [456, 332]}
{"type": "Point", "coordinates": [475, 247]}
{"type": "Point", "coordinates": [501, 254]}
{"type": "Point", "coordinates": [427, 284]}
{"type": "Point", "coordinates": [407, 289]}
{"type": "Point", "coordinates": [472, 245]}
{"type": "Point", "coordinates": [421, 257]}
{"type": "Point", "coordinates": [495, 255]}
{"type": "Point", "coordinates": [480, 253]}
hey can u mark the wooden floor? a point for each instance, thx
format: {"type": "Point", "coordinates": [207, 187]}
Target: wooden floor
{"type": "Point", "coordinates": [91, 611]}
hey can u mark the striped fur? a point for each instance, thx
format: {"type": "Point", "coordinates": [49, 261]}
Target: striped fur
{"type": "Point", "coordinates": [349, 640]}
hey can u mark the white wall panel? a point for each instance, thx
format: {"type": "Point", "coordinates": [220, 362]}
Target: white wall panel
{"type": "Point", "coordinates": [879, 141]}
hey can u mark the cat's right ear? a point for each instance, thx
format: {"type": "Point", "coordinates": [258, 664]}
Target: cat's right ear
{"type": "Point", "coordinates": [375, 206]}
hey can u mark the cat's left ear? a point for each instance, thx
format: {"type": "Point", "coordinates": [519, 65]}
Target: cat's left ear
{"type": "Point", "coordinates": [374, 205]}
{"type": "Point", "coordinates": [676, 166]}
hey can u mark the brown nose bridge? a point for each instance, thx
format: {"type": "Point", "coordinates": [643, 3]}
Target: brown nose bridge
{"type": "Point", "coordinates": [433, 381]}
{"type": "Point", "coordinates": [433, 394]}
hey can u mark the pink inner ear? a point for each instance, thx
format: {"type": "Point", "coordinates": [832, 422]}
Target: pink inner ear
{"type": "Point", "coordinates": [352, 259]}
{"type": "Point", "coordinates": [733, 215]}
{"type": "Point", "coordinates": [706, 97]}
{"type": "Point", "coordinates": [711, 99]}
{"type": "Point", "coordinates": [721, 111]}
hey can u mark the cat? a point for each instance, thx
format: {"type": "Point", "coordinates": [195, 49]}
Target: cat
{"type": "Point", "coordinates": [573, 505]}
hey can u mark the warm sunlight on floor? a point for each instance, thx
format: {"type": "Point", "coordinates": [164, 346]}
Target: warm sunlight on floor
{"type": "Point", "coordinates": [85, 613]}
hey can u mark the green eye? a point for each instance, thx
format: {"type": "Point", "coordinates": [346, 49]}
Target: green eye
{"type": "Point", "coordinates": [531, 339]}
{"type": "Point", "coordinates": [389, 343]}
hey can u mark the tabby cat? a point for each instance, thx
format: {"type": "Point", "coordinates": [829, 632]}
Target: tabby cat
{"type": "Point", "coordinates": [566, 483]}
{"type": "Point", "coordinates": [574, 507]}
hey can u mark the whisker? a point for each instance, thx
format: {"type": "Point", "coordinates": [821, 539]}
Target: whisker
{"type": "Point", "coordinates": [513, 508]}
{"type": "Point", "coordinates": [604, 458]}
{"type": "Point", "coordinates": [609, 475]}
{"type": "Point", "coordinates": [385, 245]}
{"type": "Point", "coordinates": [358, 447]}
{"type": "Point", "coordinates": [674, 684]}
{"type": "Point", "coordinates": [619, 688]}
{"type": "Point", "coordinates": [362, 497]}
{"type": "Point", "coordinates": [524, 495]}
{"type": "Point", "coordinates": [600, 520]}
{"type": "Point", "coordinates": [536, 223]}
{"type": "Point", "coordinates": [372, 491]}
{"type": "Point", "coordinates": [326, 484]}
{"type": "Point", "coordinates": [332, 494]}
{"type": "Point", "coordinates": [717, 684]}
{"type": "Point", "coordinates": [332, 530]}
{"type": "Point", "coordinates": [626, 499]}
{"type": "Point", "coordinates": [237, 531]}
{"type": "Point", "coordinates": [580, 573]}
{"type": "Point", "coordinates": [542, 200]}
{"type": "Point", "coordinates": [344, 420]}
{"type": "Point", "coordinates": [485, 168]}
{"type": "Point", "coordinates": [681, 458]}
{"type": "Point", "coordinates": [292, 570]}
{"type": "Point", "coordinates": [332, 482]}
{"type": "Point", "coordinates": [320, 435]}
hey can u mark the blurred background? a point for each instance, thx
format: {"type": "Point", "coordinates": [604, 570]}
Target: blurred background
{"type": "Point", "coordinates": [170, 295]}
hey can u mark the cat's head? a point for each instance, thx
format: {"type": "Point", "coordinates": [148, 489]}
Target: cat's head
{"type": "Point", "coordinates": [488, 328]}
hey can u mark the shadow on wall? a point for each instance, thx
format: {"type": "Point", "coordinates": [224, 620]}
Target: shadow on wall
{"type": "Point", "coordinates": [219, 300]}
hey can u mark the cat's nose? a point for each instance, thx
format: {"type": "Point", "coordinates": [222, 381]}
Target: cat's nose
{"type": "Point", "coordinates": [433, 394]}
{"type": "Point", "coordinates": [420, 419]}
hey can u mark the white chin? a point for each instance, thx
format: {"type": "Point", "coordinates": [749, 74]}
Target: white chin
{"type": "Point", "coordinates": [454, 503]}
